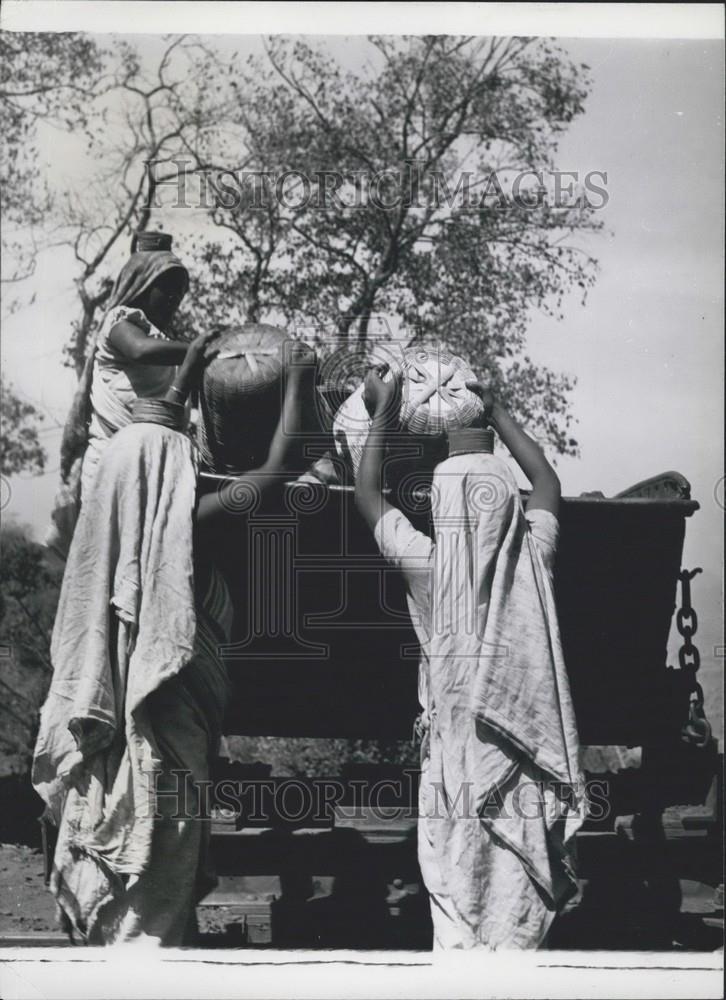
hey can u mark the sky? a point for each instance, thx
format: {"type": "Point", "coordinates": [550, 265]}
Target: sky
{"type": "Point", "coordinates": [647, 348]}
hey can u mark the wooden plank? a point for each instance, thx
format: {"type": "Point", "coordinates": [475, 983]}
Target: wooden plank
{"type": "Point", "coordinates": [41, 939]}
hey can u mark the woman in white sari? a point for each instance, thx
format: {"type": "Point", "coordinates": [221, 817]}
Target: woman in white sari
{"type": "Point", "coordinates": [501, 793]}
{"type": "Point", "coordinates": [133, 357]}
{"type": "Point", "coordinates": [134, 713]}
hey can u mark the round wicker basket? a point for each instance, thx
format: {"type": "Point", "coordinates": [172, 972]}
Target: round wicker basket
{"type": "Point", "coordinates": [241, 398]}
{"type": "Point", "coordinates": [434, 400]}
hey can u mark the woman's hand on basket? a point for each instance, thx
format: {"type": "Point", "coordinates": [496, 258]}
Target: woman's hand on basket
{"type": "Point", "coordinates": [381, 397]}
{"type": "Point", "coordinates": [201, 351]}
{"type": "Point", "coordinates": [300, 359]}
{"type": "Point", "coordinates": [484, 394]}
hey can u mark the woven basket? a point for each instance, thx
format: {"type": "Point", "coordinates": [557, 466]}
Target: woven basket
{"type": "Point", "coordinates": [241, 398]}
{"type": "Point", "coordinates": [434, 400]}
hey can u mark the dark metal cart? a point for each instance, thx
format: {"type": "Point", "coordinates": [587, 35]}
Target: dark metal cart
{"type": "Point", "coordinates": [323, 647]}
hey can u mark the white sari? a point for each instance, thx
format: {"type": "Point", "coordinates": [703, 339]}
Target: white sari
{"type": "Point", "coordinates": [107, 388]}
{"type": "Point", "coordinates": [501, 793]}
{"type": "Point", "coordinates": [117, 384]}
{"type": "Point", "coordinates": [138, 693]}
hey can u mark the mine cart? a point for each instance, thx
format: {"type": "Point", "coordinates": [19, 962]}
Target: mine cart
{"type": "Point", "coordinates": [323, 647]}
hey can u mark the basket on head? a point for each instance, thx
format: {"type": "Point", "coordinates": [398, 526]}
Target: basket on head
{"type": "Point", "coordinates": [241, 398]}
{"type": "Point", "coordinates": [434, 400]}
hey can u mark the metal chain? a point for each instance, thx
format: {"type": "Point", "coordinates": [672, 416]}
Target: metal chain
{"type": "Point", "coordinates": [697, 730]}
{"type": "Point", "coordinates": [687, 623]}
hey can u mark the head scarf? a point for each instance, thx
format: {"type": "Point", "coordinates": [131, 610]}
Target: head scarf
{"type": "Point", "coordinates": [140, 271]}
{"type": "Point", "coordinates": [137, 275]}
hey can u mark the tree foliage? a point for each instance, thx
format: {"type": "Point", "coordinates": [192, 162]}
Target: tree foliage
{"type": "Point", "coordinates": [394, 205]}
{"type": "Point", "coordinates": [20, 447]}
{"type": "Point", "coordinates": [29, 591]}
{"type": "Point", "coordinates": [317, 758]}
{"type": "Point", "coordinates": [129, 114]}
{"type": "Point", "coordinates": [44, 78]}
{"type": "Point", "coordinates": [334, 197]}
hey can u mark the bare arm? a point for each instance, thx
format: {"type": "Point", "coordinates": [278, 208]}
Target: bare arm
{"type": "Point", "coordinates": [198, 354]}
{"type": "Point", "coordinates": [381, 400]}
{"type": "Point", "coordinates": [526, 452]}
{"type": "Point", "coordinates": [285, 456]}
{"type": "Point", "coordinates": [137, 346]}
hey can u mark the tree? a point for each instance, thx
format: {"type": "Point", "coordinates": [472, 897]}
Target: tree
{"type": "Point", "coordinates": [28, 594]}
{"type": "Point", "coordinates": [358, 194]}
{"type": "Point", "coordinates": [150, 116]}
{"type": "Point", "coordinates": [29, 591]}
{"type": "Point", "coordinates": [44, 78]}
{"type": "Point", "coordinates": [20, 447]}
{"type": "Point", "coordinates": [396, 204]}
{"type": "Point", "coordinates": [131, 114]}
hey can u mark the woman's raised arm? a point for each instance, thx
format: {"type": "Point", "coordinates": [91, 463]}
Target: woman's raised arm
{"type": "Point", "coordinates": [137, 346]}
{"type": "Point", "coordinates": [285, 456]}
{"type": "Point", "coordinates": [525, 451]}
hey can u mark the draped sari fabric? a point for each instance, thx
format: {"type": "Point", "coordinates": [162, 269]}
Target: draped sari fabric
{"type": "Point", "coordinates": [136, 700]}
{"type": "Point", "coordinates": [501, 792]}
{"type": "Point", "coordinates": [117, 384]}
{"type": "Point", "coordinates": [106, 390]}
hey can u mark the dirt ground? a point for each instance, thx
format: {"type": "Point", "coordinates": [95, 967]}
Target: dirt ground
{"type": "Point", "coordinates": [27, 908]}
{"type": "Point", "coordinates": [26, 905]}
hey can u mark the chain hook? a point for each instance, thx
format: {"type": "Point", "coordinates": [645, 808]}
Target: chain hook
{"type": "Point", "coordinates": [685, 576]}
{"type": "Point", "coordinates": [697, 731]}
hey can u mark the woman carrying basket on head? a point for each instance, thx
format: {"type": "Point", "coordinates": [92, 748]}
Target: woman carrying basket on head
{"type": "Point", "coordinates": [134, 356]}
{"type": "Point", "coordinates": [501, 794]}
{"type": "Point", "coordinates": [135, 709]}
